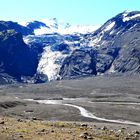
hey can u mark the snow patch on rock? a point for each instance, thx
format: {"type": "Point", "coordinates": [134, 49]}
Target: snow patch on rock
{"type": "Point", "coordinates": [110, 26]}
{"type": "Point", "coordinates": [127, 18]}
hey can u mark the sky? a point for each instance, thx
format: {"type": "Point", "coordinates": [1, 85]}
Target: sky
{"type": "Point", "coordinates": [76, 12]}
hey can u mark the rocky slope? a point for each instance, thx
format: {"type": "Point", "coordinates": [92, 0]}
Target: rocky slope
{"type": "Point", "coordinates": [16, 58]}
{"type": "Point", "coordinates": [113, 48]}
{"type": "Point", "coordinates": [115, 45]}
{"type": "Point", "coordinates": [118, 39]}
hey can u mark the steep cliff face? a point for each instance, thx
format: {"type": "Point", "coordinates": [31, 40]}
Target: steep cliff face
{"type": "Point", "coordinates": [80, 62]}
{"type": "Point", "coordinates": [117, 44]}
{"type": "Point", "coordinates": [16, 58]}
{"type": "Point", "coordinates": [128, 59]}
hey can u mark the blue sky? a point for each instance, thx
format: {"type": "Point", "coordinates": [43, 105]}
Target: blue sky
{"type": "Point", "coordinates": [73, 11]}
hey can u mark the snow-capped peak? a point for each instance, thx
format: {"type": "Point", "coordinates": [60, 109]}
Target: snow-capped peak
{"type": "Point", "coordinates": [24, 23]}
{"type": "Point", "coordinates": [48, 26]}
{"type": "Point", "coordinates": [82, 29]}
{"type": "Point", "coordinates": [55, 23]}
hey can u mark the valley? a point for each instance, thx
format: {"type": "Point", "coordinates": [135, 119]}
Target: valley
{"type": "Point", "coordinates": [106, 97]}
{"type": "Point", "coordinates": [111, 101]}
{"type": "Point", "coordinates": [81, 81]}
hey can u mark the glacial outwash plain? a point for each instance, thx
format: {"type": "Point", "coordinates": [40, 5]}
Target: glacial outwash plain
{"type": "Point", "coordinates": [101, 108]}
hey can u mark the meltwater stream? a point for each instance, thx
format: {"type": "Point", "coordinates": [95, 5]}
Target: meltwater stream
{"type": "Point", "coordinates": [84, 112]}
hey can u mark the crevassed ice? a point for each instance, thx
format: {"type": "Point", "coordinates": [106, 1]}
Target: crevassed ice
{"type": "Point", "coordinates": [48, 63]}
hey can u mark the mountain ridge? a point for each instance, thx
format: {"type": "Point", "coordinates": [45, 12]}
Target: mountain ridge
{"type": "Point", "coordinates": [49, 26]}
{"type": "Point", "coordinates": [112, 49]}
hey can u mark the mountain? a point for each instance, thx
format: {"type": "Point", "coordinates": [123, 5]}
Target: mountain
{"type": "Point", "coordinates": [119, 39]}
{"type": "Point", "coordinates": [53, 50]}
{"type": "Point", "coordinates": [115, 45]}
{"type": "Point", "coordinates": [17, 60]}
{"type": "Point", "coordinates": [80, 62]}
{"type": "Point", "coordinates": [50, 26]}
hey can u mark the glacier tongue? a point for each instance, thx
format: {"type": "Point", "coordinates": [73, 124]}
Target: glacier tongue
{"type": "Point", "coordinates": [50, 63]}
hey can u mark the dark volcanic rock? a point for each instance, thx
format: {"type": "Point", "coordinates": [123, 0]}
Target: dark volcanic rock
{"type": "Point", "coordinates": [117, 44]}
{"type": "Point", "coordinates": [7, 79]}
{"type": "Point", "coordinates": [16, 58]}
{"type": "Point", "coordinates": [79, 63]}
{"type": "Point", "coordinates": [61, 48]}
{"type": "Point", "coordinates": [103, 62]}
{"type": "Point", "coordinates": [128, 59]}
{"type": "Point", "coordinates": [9, 25]}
